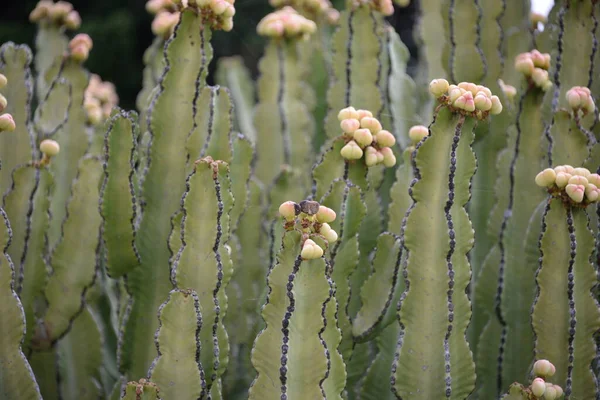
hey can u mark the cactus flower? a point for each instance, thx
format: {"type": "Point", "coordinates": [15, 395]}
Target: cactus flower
{"type": "Point", "coordinates": [538, 387]}
{"type": "Point", "coordinates": [7, 123]}
{"type": "Point", "coordinates": [575, 192]}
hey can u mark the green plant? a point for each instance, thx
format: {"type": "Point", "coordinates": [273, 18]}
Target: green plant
{"type": "Point", "coordinates": [335, 230]}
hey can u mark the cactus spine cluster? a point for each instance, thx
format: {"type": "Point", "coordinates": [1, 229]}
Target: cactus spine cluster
{"type": "Point", "coordinates": [446, 243]}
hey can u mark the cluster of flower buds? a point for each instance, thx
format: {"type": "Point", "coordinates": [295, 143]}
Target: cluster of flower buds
{"type": "Point", "coordinates": [574, 185]}
{"type": "Point", "coordinates": [79, 47]}
{"type": "Point", "coordinates": [287, 23]}
{"type": "Point", "coordinates": [60, 13]}
{"type": "Point", "coordinates": [383, 6]}
{"type": "Point", "coordinates": [509, 91]}
{"type": "Point", "coordinates": [312, 9]}
{"type": "Point", "coordinates": [476, 100]}
{"type": "Point", "coordinates": [99, 99]}
{"type": "Point", "coordinates": [312, 220]}
{"type": "Point", "coordinates": [217, 14]}
{"type": "Point", "coordinates": [49, 149]}
{"type": "Point", "coordinates": [7, 123]}
{"type": "Point", "coordinates": [541, 389]}
{"type": "Point", "coordinates": [535, 65]}
{"type": "Point", "coordinates": [580, 98]}
{"type": "Point", "coordinates": [365, 136]}
{"type": "Point", "coordinates": [156, 6]}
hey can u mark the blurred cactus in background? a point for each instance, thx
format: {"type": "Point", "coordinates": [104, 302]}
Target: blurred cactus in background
{"type": "Point", "coordinates": [336, 229]}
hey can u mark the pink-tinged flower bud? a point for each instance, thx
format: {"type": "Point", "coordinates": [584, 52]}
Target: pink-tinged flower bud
{"type": "Point", "coordinates": [438, 87]}
{"type": "Point", "coordinates": [371, 124]}
{"type": "Point", "coordinates": [575, 192]}
{"type": "Point", "coordinates": [496, 105]}
{"type": "Point", "coordinates": [348, 113]}
{"type": "Point", "coordinates": [350, 125]}
{"type": "Point", "coordinates": [49, 147]}
{"type": "Point", "coordinates": [385, 138]}
{"type": "Point", "coordinates": [560, 168]}
{"type": "Point", "coordinates": [41, 10]}
{"type": "Point", "coordinates": [288, 210]}
{"type": "Point", "coordinates": [325, 215]}
{"type": "Point", "coordinates": [219, 6]}
{"type": "Point", "coordinates": [465, 102]}
{"type": "Point", "coordinates": [352, 151]}
{"type": "Point", "coordinates": [538, 387]}
{"type": "Point", "coordinates": [363, 137]}
{"type": "Point", "coordinates": [330, 235]}
{"type": "Point", "coordinates": [94, 115]}
{"type": "Point", "coordinates": [469, 87]}
{"type": "Point", "coordinates": [292, 27]}
{"type": "Point", "coordinates": [389, 159]}
{"type": "Point", "coordinates": [539, 60]}
{"type": "Point", "coordinates": [550, 393]}
{"type": "Point", "coordinates": [154, 6]}
{"type": "Point", "coordinates": [524, 65]}
{"type": "Point", "coordinates": [578, 180]}
{"type": "Point", "coordinates": [454, 94]}
{"type": "Point", "coordinates": [540, 76]}
{"type": "Point", "coordinates": [562, 178]}
{"type": "Point", "coordinates": [3, 103]}
{"type": "Point", "coordinates": [482, 102]}
{"type": "Point", "coordinates": [3, 81]}
{"type": "Point", "coordinates": [417, 133]}
{"type": "Point", "coordinates": [73, 20]}
{"type": "Point", "coordinates": [364, 113]}
{"type": "Point", "coordinates": [229, 11]}
{"type": "Point", "coordinates": [311, 250]}
{"type": "Point", "coordinates": [379, 157]}
{"type": "Point", "coordinates": [371, 157]}
{"type": "Point", "coordinates": [333, 16]}
{"type": "Point", "coordinates": [59, 10]}
{"type": "Point", "coordinates": [509, 91]}
{"type": "Point", "coordinates": [546, 178]}
{"type": "Point", "coordinates": [227, 25]}
{"type": "Point", "coordinates": [543, 368]}
{"type": "Point", "coordinates": [81, 39]}
{"type": "Point", "coordinates": [591, 192]}
{"type": "Point", "coordinates": [80, 53]}
{"type": "Point", "coordinates": [559, 391]}
{"type": "Point", "coordinates": [594, 179]}
{"type": "Point", "coordinates": [386, 7]}
{"type": "Point", "coordinates": [581, 171]}
{"type": "Point", "coordinates": [7, 123]}
{"type": "Point", "coordinates": [485, 90]}
{"type": "Point", "coordinates": [573, 98]}
{"type": "Point", "coordinates": [588, 105]}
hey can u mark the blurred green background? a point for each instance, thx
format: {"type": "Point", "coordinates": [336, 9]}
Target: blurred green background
{"type": "Point", "coordinates": [121, 32]}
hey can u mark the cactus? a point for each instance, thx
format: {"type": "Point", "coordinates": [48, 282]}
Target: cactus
{"type": "Point", "coordinates": [423, 262]}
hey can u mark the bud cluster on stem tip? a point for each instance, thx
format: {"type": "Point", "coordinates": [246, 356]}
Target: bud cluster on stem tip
{"type": "Point", "coordinates": [466, 97]}
{"type": "Point", "coordinates": [311, 8]}
{"type": "Point", "coordinates": [417, 133]}
{"type": "Point", "coordinates": [216, 14]}
{"type": "Point", "coordinates": [80, 47]}
{"type": "Point", "coordinates": [164, 23]}
{"type": "Point", "coordinates": [580, 98]}
{"type": "Point", "coordinates": [49, 149]}
{"type": "Point", "coordinates": [60, 13]}
{"type": "Point", "coordinates": [385, 7]}
{"type": "Point", "coordinates": [535, 65]}
{"type": "Point", "coordinates": [365, 136]}
{"type": "Point", "coordinates": [544, 368]}
{"type": "Point", "coordinates": [576, 185]}
{"type": "Point", "coordinates": [156, 6]}
{"type": "Point", "coordinates": [99, 99]}
{"type": "Point", "coordinates": [286, 23]}
{"type": "Point", "coordinates": [312, 220]}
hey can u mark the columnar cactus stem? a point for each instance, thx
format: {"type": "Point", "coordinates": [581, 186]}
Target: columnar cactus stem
{"type": "Point", "coordinates": [466, 59]}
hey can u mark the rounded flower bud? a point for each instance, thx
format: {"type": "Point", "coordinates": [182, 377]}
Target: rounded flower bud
{"type": "Point", "coordinates": [325, 215]}
{"type": "Point", "coordinates": [581, 172]}
{"type": "Point", "coordinates": [219, 6]}
{"type": "Point", "coordinates": [482, 102]}
{"type": "Point", "coordinates": [385, 138]}
{"type": "Point", "coordinates": [348, 113]}
{"type": "Point", "coordinates": [371, 124]}
{"type": "Point", "coordinates": [573, 98]}
{"type": "Point", "coordinates": [364, 113]}
{"type": "Point", "coordinates": [349, 125]}
{"type": "Point", "coordinates": [546, 178]}
{"type": "Point", "coordinates": [389, 159]}
{"type": "Point", "coordinates": [484, 90]}
{"type": "Point", "coordinates": [311, 250]}
{"type": "Point", "coordinates": [496, 105]}
{"type": "Point", "coordinates": [454, 94]}
{"type": "Point", "coordinates": [538, 59]}
{"type": "Point", "coordinates": [465, 102]}
{"type": "Point", "coordinates": [363, 137]}
{"type": "Point", "coordinates": [594, 179]}
{"type": "Point", "coordinates": [540, 77]}
{"type": "Point", "coordinates": [438, 87]}
{"type": "Point", "coordinates": [559, 391]}
{"type": "Point", "coordinates": [575, 192]}
{"type": "Point", "coordinates": [329, 234]}
{"type": "Point", "coordinates": [371, 157]}
{"type": "Point", "coordinates": [578, 180]}
{"type": "Point", "coordinates": [73, 20]}
{"type": "Point", "coordinates": [524, 65]}
{"type": "Point", "coordinates": [3, 81]}
{"type": "Point", "coordinates": [229, 11]}
{"type": "Point", "coordinates": [379, 157]}
{"type": "Point", "coordinates": [562, 178]}
{"type": "Point", "coordinates": [81, 39]}
{"type": "Point", "coordinates": [543, 368]}
{"type": "Point", "coordinates": [3, 103]}
{"type": "Point", "coordinates": [49, 147]}
{"type": "Point", "coordinates": [417, 133]}
{"type": "Point", "coordinates": [7, 123]}
{"type": "Point", "coordinates": [288, 210]}
{"type": "Point", "coordinates": [509, 91]}
{"type": "Point", "coordinates": [591, 192]}
{"type": "Point", "coordinates": [80, 53]}
{"type": "Point", "coordinates": [550, 393]}
{"type": "Point", "coordinates": [538, 387]}
{"type": "Point", "coordinates": [469, 87]}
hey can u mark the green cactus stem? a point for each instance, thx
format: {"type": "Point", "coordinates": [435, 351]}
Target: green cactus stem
{"type": "Point", "coordinates": [466, 59]}
{"type": "Point", "coordinates": [178, 369]}
{"type": "Point", "coordinates": [372, 387]}
{"type": "Point", "coordinates": [437, 271]}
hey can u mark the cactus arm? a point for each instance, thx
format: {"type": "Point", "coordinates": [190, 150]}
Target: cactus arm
{"type": "Point", "coordinates": [432, 30]}
{"type": "Point", "coordinates": [53, 111]}
{"type": "Point", "coordinates": [284, 125]}
{"type": "Point", "coordinates": [467, 62]}
{"type": "Point", "coordinates": [74, 143]}
{"type": "Point", "coordinates": [153, 66]}
{"type": "Point", "coordinates": [28, 203]}
{"type": "Point", "coordinates": [80, 353]}
{"type": "Point", "coordinates": [243, 154]}
{"type": "Point", "coordinates": [335, 383]}
{"type": "Point", "coordinates": [118, 202]}
{"type": "Point", "coordinates": [47, 374]}
{"type": "Point", "coordinates": [51, 43]}
{"type": "Point", "coordinates": [74, 259]}
{"type": "Point", "coordinates": [356, 65]}
{"type": "Point", "coordinates": [378, 289]}
{"type": "Point", "coordinates": [517, 37]}
{"type": "Point", "coordinates": [564, 317]}
{"type": "Point", "coordinates": [171, 120]}
{"type": "Point", "coordinates": [373, 388]}
{"type": "Point", "coordinates": [16, 147]}
{"type": "Point", "coordinates": [400, 199]}
{"type": "Point", "coordinates": [232, 74]}
{"type": "Point", "coordinates": [440, 261]}
{"type": "Point", "coordinates": [204, 231]}
{"type": "Point", "coordinates": [143, 390]}
{"type": "Point", "coordinates": [16, 376]}
{"type": "Point", "coordinates": [178, 369]}
{"type": "Point", "coordinates": [569, 143]}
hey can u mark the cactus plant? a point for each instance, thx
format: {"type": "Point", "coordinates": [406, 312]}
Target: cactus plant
{"type": "Point", "coordinates": [353, 232]}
